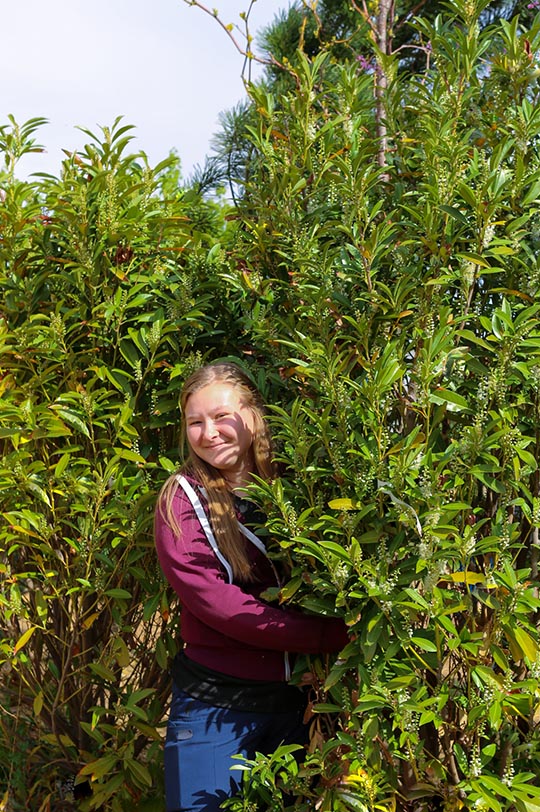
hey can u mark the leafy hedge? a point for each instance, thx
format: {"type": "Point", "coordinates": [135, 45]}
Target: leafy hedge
{"type": "Point", "coordinates": [109, 297]}
{"type": "Point", "coordinates": [390, 312]}
{"type": "Point", "coordinates": [401, 298]}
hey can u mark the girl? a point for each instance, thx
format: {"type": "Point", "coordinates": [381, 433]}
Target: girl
{"type": "Point", "coordinates": [231, 693]}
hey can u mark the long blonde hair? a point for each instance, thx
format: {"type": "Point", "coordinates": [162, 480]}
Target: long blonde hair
{"type": "Point", "coordinates": [220, 501]}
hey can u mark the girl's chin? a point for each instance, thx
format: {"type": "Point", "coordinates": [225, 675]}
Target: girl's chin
{"type": "Point", "coordinates": [222, 459]}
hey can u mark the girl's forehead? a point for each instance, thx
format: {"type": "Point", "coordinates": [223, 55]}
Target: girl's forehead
{"type": "Point", "coordinates": [214, 395]}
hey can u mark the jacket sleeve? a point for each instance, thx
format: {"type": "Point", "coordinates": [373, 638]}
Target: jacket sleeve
{"type": "Point", "coordinates": [194, 572]}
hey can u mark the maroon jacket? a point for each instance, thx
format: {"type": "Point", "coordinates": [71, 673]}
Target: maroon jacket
{"type": "Point", "coordinates": [226, 626]}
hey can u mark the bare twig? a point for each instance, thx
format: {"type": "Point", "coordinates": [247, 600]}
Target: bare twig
{"type": "Point", "coordinates": [245, 50]}
{"type": "Point", "coordinates": [363, 11]}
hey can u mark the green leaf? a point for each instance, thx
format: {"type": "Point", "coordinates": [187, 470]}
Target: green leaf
{"type": "Point", "coordinates": [100, 767]}
{"type": "Point", "coordinates": [500, 658]}
{"type": "Point", "coordinates": [61, 465]}
{"type": "Point", "coordinates": [23, 639]}
{"type": "Point", "coordinates": [476, 259]}
{"type": "Point", "coordinates": [139, 771]}
{"type": "Point", "coordinates": [486, 676]}
{"type": "Point", "coordinates": [423, 643]}
{"type": "Point", "coordinates": [118, 594]}
{"type": "Point", "coordinates": [527, 458]}
{"type": "Point", "coordinates": [129, 353]}
{"type": "Point", "coordinates": [532, 195]}
{"type": "Point", "coordinates": [464, 577]}
{"type": "Point", "coordinates": [168, 465]}
{"type": "Point", "coordinates": [127, 454]}
{"type": "Point", "coordinates": [369, 702]}
{"type": "Point", "coordinates": [504, 250]}
{"type": "Point", "coordinates": [102, 671]}
{"type": "Point", "coordinates": [469, 195]}
{"type": "Point", "coordinates": [495, 713]}
{"type": "Point", "coordinates": [455, 214]}
{"type": "Point", "coordinates": [326, 707]}
{"type": "Point", "coordinates": [454, 401]}
{"type": "Point", "coordinates": [484, 476]}
{"type": "Point", "coordinates": [120, 379]}
{"type": "Point", "coordinates": [162, 656]}
{"type": "Point", "coordinates": [335, 676]}
{"type": "Point", "coordinates": [342, 504]}
{"type": "Point", "coordinates": [497, 786]}
{"type": "Point", "coordinates": [528, 646]}
{"type": "Point", "coordinates": [299, 185]}
{"type": "Point", "coordinates": [37, 705]}
{"type": "Point", "coordinates": [73, 419]}
{"type": "Point", "coordinates": [337, 549]}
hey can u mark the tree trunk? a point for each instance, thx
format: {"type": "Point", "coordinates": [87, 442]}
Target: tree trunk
{"type": "Point", "coordinates": [384, 21]}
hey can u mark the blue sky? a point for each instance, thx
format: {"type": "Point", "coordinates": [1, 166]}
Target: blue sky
{"type": "Point", "coordinates": [168, 68]}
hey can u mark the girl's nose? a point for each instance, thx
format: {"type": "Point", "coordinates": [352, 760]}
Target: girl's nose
{"type": "Point", "coordinates": [210, 430]}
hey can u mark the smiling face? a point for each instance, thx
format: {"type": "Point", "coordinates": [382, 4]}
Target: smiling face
{"type": "Point", "coordinates": [219, 430]}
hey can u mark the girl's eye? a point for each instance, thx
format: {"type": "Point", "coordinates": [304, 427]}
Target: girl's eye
{"type": "Point", "coordinates": [222, 414]}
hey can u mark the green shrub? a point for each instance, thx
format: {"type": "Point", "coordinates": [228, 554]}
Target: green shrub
{"type": "Point", "coordinates": [384, 290]}
{"type": "Point", "coordinates": [109, 297]}
{"type": "Point", "coordinates": [400, 301]}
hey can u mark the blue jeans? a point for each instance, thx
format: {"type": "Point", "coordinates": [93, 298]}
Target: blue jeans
{"type": "Point", "coordinates": [202, 738]}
